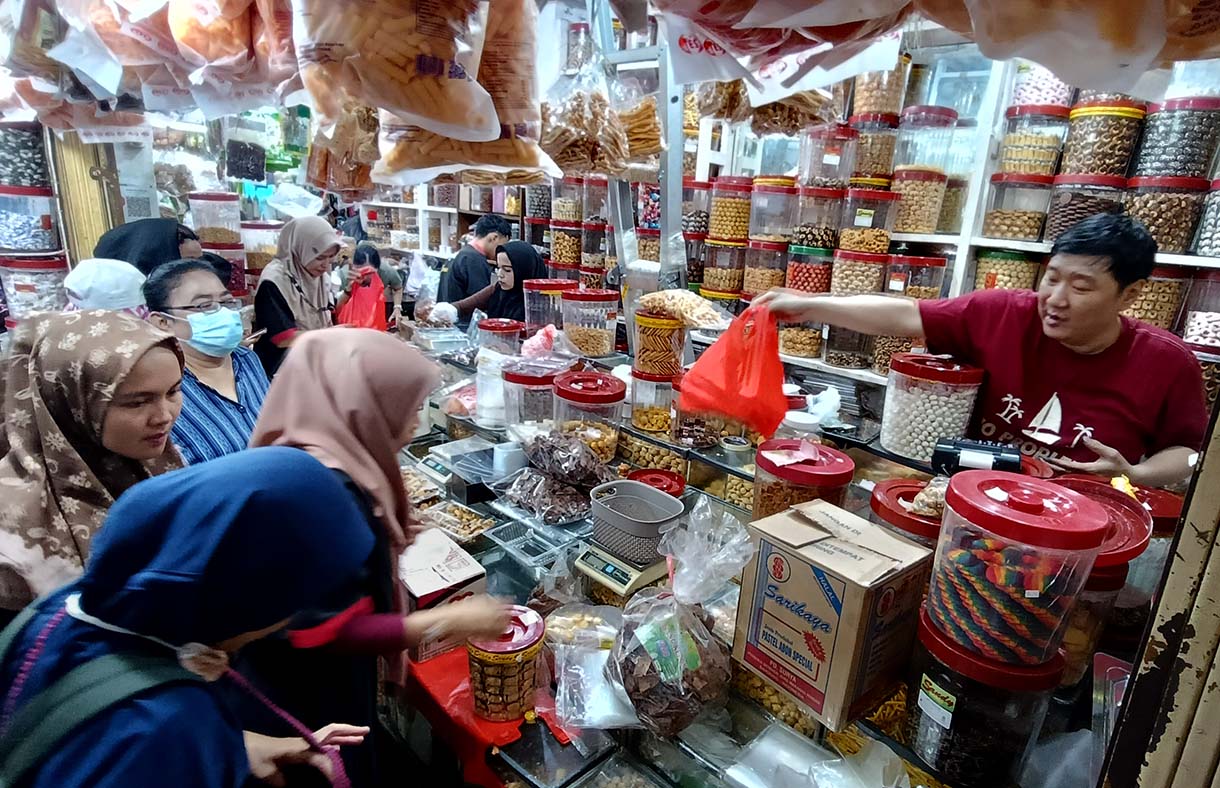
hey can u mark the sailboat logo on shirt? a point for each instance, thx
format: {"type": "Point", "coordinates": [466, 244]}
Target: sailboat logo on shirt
{"type": "Point", "coordinates": [1045, 426]}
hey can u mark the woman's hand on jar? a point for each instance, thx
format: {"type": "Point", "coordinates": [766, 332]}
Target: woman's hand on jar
{"type": "Point", "coordinates": [479, 616]}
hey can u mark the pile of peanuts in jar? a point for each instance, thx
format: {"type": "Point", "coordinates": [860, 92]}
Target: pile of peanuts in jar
{"type": "Point", "coordinates": [856, 273]}
{"type": "Point", "coordinates": [651, 418]}
{"type": "Point", "coordinates": [765, 264]}
{"type": "Point", "coordinates": [1014, 224]}
{"type": "Point", "coordinates": [803, 340]}
{"type": "Point", "coordinates": [734, 489]}
{"type": "Point", "coordinates": [885, 348]}
{"type": "Point", "coordinates": [649, 243]}
{"type": "Point", "coordinates": [599, 437]}
{"type": "Point", "coordinates": [875, 147]}
{"type": "Point", "coordinates": [1169, 207]}
{"type": "Point", "coordinates": [590, 341]}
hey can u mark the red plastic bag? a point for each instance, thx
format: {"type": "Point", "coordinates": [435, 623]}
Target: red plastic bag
{"type": "Point", "coordinates": [741, 375]}
{"type": "Point", "coordinates": [366, 307]}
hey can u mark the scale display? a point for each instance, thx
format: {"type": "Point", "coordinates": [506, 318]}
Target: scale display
{"type": "Point", "coordinates": [616, 574]}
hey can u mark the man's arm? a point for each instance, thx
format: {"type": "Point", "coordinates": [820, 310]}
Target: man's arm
{"type": "Point", "coordinates": [869, 314]}
{"type": "Point", "coordinates": [1168, 466]}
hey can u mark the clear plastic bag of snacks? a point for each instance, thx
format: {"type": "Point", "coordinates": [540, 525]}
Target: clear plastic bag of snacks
{"type": "Point", "coordinates": [213, 37]}
{"type": "Point", "coordinates": [581, 132]}
{"type": "Point", "coordinates": [641, 123]}
{"type": "Point", "coordinates": [561, 585]}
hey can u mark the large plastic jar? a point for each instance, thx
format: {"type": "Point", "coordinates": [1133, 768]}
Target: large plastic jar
{"type": "Point", "coordinates": [216, 217]}
{"type": "Point", "coordinates": [28, 220]}
{"type": "Point", "coordinates": [1180, 138]}
{"type": "Point", "coordinates": [1033, 139]}
{"type": "Point", "coordinates": [876, 144]}
{"type": "Point", "coordinates": [34, 284]}
{"type": "Point", "coordinates": [589, 320]}
{"type": "Point", "coordinates": [696, 250]}
{"type": "Point", "coordinates": [777, 487]}
{"type": "Point", "coordinates": [593, 245]}
{"type": "Point", "coordinates": [659, 344]}
{"type": "Point", "coordinates": [881, 91]}
{"type": "Point", "coordinates": [801, 340]}
{"type": "Point", "coordinates": [817, 217]}
{"type": "Point", "coordinates": [529, 395]}
{"type": "Point", "coordinates": [953, 206]}
{"type": "Point", "coordinates": [652, 398]}
{"type": "Point", "coordinates": [890, 507]}
{"type": "Point", "coordinates": [856, 273]}
{"type": "Point", "coordinates": [566, 246]}
{"type": "Point", "coordinates": [588, 405]}
{"type": "Point", "coordinates": [503, 669]}
{"type": "Point", "coordinates": [809, 269]}
{"type": "Point", "coordinates": [730, 212]}
{"type": "Point", "coordinates": [1004, 270]}
{"type": "Point", "coordinates": [1160, 299]}
{"type": "Point", "coordinates": [867, 220]}
{"type": "Point", "coordinates": [972, 720]}
{"type": "Point", "coordinates": [1201, 326]}
{"type": "Point", "coordinates": [544, 302]}
{"type": "Point", "coordinates": [23, 156]}
{"type": "Point", "coordinates": [501, 334]}
{"type": "Point", "coordinates": [1017, 206]}
{"type": "Point", "coordinates": [595, 193]}
{"type": "Point", "coordinates": [724, 265]}
{"type": "Point", "coordinates": [915, 276]}
{"type": "Point", "coordinates": [1168, 207]}
{"type": "Point", "coordinates": [922, 191]}
{"type": "Point", "coordinates": [1013, 555]}
{"type": "Point", "coordinates": [1076, 197]}
{"type": "Point", "coordinates": [848, 349]}
{"type": "Point", "coordinates": [235, 254]}
{"type": "Point", "coordinates": [1102, 138]}
{"type": "Point", "coordinates": [648, 206]}
{"type": "Point", "coordinates": [1207, 241]}
{"type": "Point", "coordinates": [925, 135]}
{"type": "Point", "coordinates": [538, 201]}
{"type": "Point", "coordinates": [538, 234]}
{"type": "Point", "coordinates": [773, 211]}
{"type": "Point", "coordinates": [696, 203]}
{"type": "Point", "coordinates": [926, 398]}
{"type": "Point", "coordinates": [1194, 78]}
{"type": "Point", "coordinates": [729, 302]}
{"type": "Point", "coordinates": [828, 155]}
{"type": "Point", "coordinates": [261, 240]}
{"type": "Point", "coordinates": [766, 262]}
{"type": "Point", "coordinates": [1037, 84]}
{"type": "Point", "coordinates": [567, 204]}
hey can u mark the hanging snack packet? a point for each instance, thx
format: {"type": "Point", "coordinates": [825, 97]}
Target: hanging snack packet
{"type": "Point", "coordinates": [580, 130]}
{"type": "Point", "coordinates": [213, 36]}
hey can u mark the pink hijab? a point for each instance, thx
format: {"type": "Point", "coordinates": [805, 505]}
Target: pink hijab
{"type": "Point", "coordinates": [346, 395]}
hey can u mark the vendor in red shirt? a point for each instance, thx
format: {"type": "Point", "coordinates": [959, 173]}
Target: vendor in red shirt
{"type": "Point", "coordinates": [1068, 378]}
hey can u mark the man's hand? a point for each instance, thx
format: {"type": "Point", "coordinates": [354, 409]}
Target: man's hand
{"type": "Point", "coordinates": [1109, 462]}
{"type": "Point", "coordinates": [268, 755]}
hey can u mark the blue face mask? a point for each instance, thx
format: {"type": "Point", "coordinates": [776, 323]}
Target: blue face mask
{"type": "Point", "coordinates": [217, 334]}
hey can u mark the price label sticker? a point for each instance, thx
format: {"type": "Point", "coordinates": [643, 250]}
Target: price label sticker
{"type": "Point", "coordinates": [898, 282]}
{"type": "Point", "coordinates": [864, 217]}
{"type": "Point", "coordinates": [831, 159]}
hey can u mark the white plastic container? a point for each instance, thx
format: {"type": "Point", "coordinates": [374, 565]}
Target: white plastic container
{"type": "Point", "coordinates": [34, 284]}
{"type": "Point", "coordinates": [926, 398]}
{"type": "Point", "coordinates": [28, 219]}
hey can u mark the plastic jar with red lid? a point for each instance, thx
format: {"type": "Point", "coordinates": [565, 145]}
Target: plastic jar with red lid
{"type": "Point", "coordinates": [724, 265]}
{"type": "Point", "coordinates": [809, 269]}
{"type": "Point", "coordinates": [588, 405]}
{"type": "Point", "coordinates": [922, 190]}
{"type": "Point", "coordinates": [875, 146]}
{"type": "Point", "coordinates": [927, 398]}
{"type": "Point", "coordinates": [890, 507]}
{"type": "Point", "coordinates": [529, 394]}
{"type": "Point", "coordinates": [595, 194]}
{"type": "Point", "coordinates": [652, 399]}
{"type": "Point", "coordinates": [660, 340]}
{"type": "Point", "coordinates": [34, 284]}
{"type": "Point", "coordinates": [1102, 138]}
{"type": "Point", "coordinates": [593, 245]}
{"type": "Point", "coordinates": [216, 217]}
{"type": "Point", "coordinates": [1076, 197]}
{"type": "Point", "coordinates": [1180, 138]}
{"type": "Point", "coordinates": [766, 262]}
{"type": "Point", "coordinates": [235, 254]}
{"type": "Point", "coordinates": [1160, 299]}
{"type": "Point", "coordinates": [730, 211]}
{"type": "Point", "coordinates": [1033, 139]}
{"type": "Point", "coordinates": [773, 210]}
{"type": "Point", "coordinates": [648, 242]}
{"type": "Point", "coordinates": [1169, 207]}
{"type": "Point", "coordinates": [1207, 241]}
{"type": "Point", "coordinates": [28, 219]}
{"type": "Point", "coordinates": [857, 273]}
{"type": "Point", "coordinates": [696, 251]}
{"type": "Point", "coordinates": [696, 204]}
{"type": "Point", "coordinates": [1202, 324]}
{"type": "Point", "coordinates": [925, 135]}
{"type": "Point", "coordinates": [1016, 209]}
{"type": "Point", "coordinates": [538, 233]}
{"type": "Point", "coordinates": [544, 302]}
{"type": "Point", "coordinates": [817, 218]}
{"type": "Point", "coordinates": [567, 205]}
{"type": "Point", "coordinates": [820, 472]}
{"type": "Point", "coordinates": [501, 334]}
{"type": "Point", "coordinates": [828, 155]}
{"type": "Point", "coordinates": [868, 219]}
{"type": "Point", "coordinates": [502, 669]}
{"type": "Point", "coordinates": [1013, 555]}
{"type": "Point", "coordinates": [566, 249]}
{"type": "Point", "coordinates": [881, 91]}
{"type": "Point", "coordinates": [589, 320]}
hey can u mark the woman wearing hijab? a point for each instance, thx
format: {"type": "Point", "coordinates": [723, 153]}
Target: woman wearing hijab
{"type": "Point", "coordinates": [293, 296]}
{"type": "Point", "coordinates": [89, 403]}
{"type": "Point", "coordinates": [181, 577]}
{"type": "Point", "coordinates": [148, 243]}
{"type": "Point", "coordinates": [350, 397]}
{"type": "Point", "coordinates": [100, 283]}
{"type": "Point", "coordinates": [516, 261]}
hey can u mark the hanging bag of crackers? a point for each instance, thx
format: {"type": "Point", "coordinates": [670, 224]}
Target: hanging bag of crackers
{"type": "Point", "coordinates": [637, 112]}
{"type": "Point", "coordinates": [581, 132]}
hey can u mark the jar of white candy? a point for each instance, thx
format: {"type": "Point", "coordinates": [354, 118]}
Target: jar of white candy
{"type": "Point", "coordinates": [927, 398]}
{"type": "Point", "coordinates": [28, 219]}
{"type": "Point", "coordinates": [34, 284]}
{"type": "Point", "coordinates": [1202, 326]}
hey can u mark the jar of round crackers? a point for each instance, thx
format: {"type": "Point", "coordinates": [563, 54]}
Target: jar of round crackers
{"type": "Point", "coordinates": [875, 146]}
{"type": "Point", "coordinates": [588, 405]}
{"type": "Point", "coordinates": [923, 192]}
{"type": "Point", "coordinates": [766, 262]}
{"type": "Point", "coordinates": [1160, 299]}
{"type": "Point", "coordinates": [724, 265]}
{"type": "Point", "coordinates": [1017, 206]}
{"type": "Point", "coordinates": [652, 399]}
{"type": "Point", "coordinates": [502, 669]}
{"type": "Point", "coordinates": [881, 91]}
{"type": "Point", "coordinates": [730, 211]}
{"type": "Point", "coordinates": [660, 340]}
{"type": "Point", "coordinates": [589, 320]}
{"type": "Point", "coordinates": [593, 245]}
{"type": "Point", "coordinates": [1004, 269]}
{"type": "Point", "coordinates": [790, 471]}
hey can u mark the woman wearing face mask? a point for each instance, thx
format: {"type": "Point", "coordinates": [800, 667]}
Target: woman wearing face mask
{"type": "Point", "coordinates": [293, 296]}
{"type": "Point", "coordinates": [148, 243]}
{"type": "Point", "coordinates": [224, 384]}
{"type": "Point", "coordinates": [350, 397]}
{"type": "Point", "coordinates": [89, 404]}
{"type": "Point", "coordinates": [516, 261]}
{"type": "Point", "coordinates": [178, 565]}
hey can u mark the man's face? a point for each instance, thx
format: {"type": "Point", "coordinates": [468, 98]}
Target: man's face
{"type": "Point", "coordinates": [1079, 299]}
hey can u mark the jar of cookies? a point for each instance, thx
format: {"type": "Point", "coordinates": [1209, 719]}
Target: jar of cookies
{"type": "Point", "coordinates": [566, 244]}
{"type": "Point", "coordinates": [856, 273]}
{"type": "Point", "coordinates": [1102, 138]}
{"type": "Point", "coordinates": [848, 349]}
{"type": "Point", "coordinates": [1037, 84]}
{"type": "Point", "coordinates": [652, 399]}
{"type": "Point", "coordinates": [802, 340]}
{"type": "Point", "coordinates": [660, 341]}
{"type": "Point", "coordinates": [724, 265]}
{"type": "Point", "coordinates": [648, 241]}
{"type": "Point", "coordinates": [592, 278]}
{"type": "Point", "coordinates": [589, 320]}
{"type": "Point", "coordinates": [1202, 323]}
{"type": "Point", "coordinates": [1076, 197]}
{"type": "Point", "coordinates": [817, 217]}
{"type": "Point", "coordinates": [772, 212]}
{"type": "Point", "coordinates": [567, 205]}
{"type": "Point", "coordinates": [915, 276]}
{"type": "Point", "coordinates": [923, 192]}
{"type": "Point", "coordinates": [881, 91]}
{"type": "Point", "coordinates": [730, 212]}
{"type": "Point", "coordinates": [791, 471]}
{"type": "Point", "coordinates": [766, 262]}
{"type": "Point", "coordinates": [593, 245]}
{"type": "Point", "coordinates": [828, 155]}
{"type": "Point", "coordinates": [695, 256]}
{"type": "Point", "coordinates": [502, 669]}
{"type": "Point", "coordinates": [588, 405]}
{"type": "Point", "coordinates": [595, 192]}
{"type": "Point", "coordinates": [1160, 299]}
{"type": "Point", "coordinates": [1207, 240]}
{"type": "Point", "coordinates": [1169, 207]}
{"type": "Point", "coordinates": [611, 248]}
{"type": "Point", "coordinates": [1180, 138]}
{"type": "Point", "coordinates": [501, 334]}
{"type": "Point", "coordinates": [809, 269]}
{"type": "Point", "coordinates": [696, 202]}
{"type": "Point", "coordinates": [1017, 206]}
{"type": "Point", "coordinates": [544, 302]}
{"type": "Point", "coordinates": [875, 146]}
{"type": "Point", "coordinates": [925, 136]}
{"type": "Point", "coordinates": [538, 201]}
{"type": "Point", "coordinates": [867, 220]}
{"type": "Point", "coordinates": [1004, 269]}
{"type": "Point", "coordinates": [1033, 139]}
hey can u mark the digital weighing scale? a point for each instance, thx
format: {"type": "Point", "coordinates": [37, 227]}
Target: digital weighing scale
{"type": "Point", "coordinates": [616, 574]}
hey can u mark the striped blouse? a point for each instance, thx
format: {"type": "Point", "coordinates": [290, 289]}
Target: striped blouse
{"type": "Point", "coordinates": [212, 425]}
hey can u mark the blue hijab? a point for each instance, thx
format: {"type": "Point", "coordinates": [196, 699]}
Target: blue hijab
{"type": "Point", "coordinates": [203, 554]}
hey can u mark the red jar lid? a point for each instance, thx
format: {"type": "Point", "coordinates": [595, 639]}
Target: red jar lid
{"type": "Point", "coordinates": [537, 220]}
{"type": "Point", "coordinates": [1169, 182]}
{"type": "Point", "coordinates": [214, 196]}
{"type": "Point", "coordinates": [734, 184]}
{"type": "Point", "coordinates": [862, 257]}
{"type": "Point", "coordinates": [648, 231]}
{"type": "Point", "coordinates": [822, 191]}
{"type": "Point", "coordinates": [690, 183]}
{"type": "Point", "coordinates": [939, 368]}
{"type": "Point", "coordinates": [931, 114]}
{"type": "Point", "coordinates": [873, 194]}
{"type": "Point", "coordinates": [919, 174]}
{"type": "Point", "coordinates": [887, 118]}
{"type": "Point", "coordinates": [1215, 185]}
{"type": "Point", "coordinates": [1107, 578]}
{"type": "Point", "coordinates": [770, 246]}
{"type": "Point", "coordinates": [590, 388]}
{"type": "Point", "coordinates": [1114, 181]}
{"type": "Point", "coordinates": [593, 227]}
{"type": "Point", "coordinates": [832, 468]}
{"type": "Point", "coordinates": [1036, 467]}
{"type": "Point", "coordinates": [556, 224]}
{"type": "Point", "coordinates": [1049, 110]}
{"type": "Point", "coordinates": [552, 286]}
{"type": "Point", "coordinates": [9, 322]}
{"type": "Point", "coordinates": [525, 374]}
{"type": "Point", "coordinates": [1032, 511]}
{"type": "Point", "coordinates": [1164, 507]}
{"type": "Point", "coordinates": [833, 131]}
{"type": "Point", "coordinates": [501, 325]}
{"type": "Point", "coordinates": [222, 248]}
{"type": "Point", "coordinates": [1203, 103]}
{"type": "Point", "coordinates": [525, 628]}
{"type": "Point", "coordinates": [1130, 525]}
{"type": "Point", "coordinates": [731, 243]}
{"type": "Point", "coordinates": [27, 191]}
{"type": "Point", "coordinates": [573, 179]}
{"type": "Point", "coordinates": [665, 481]}
{"type": "Point", "coordinates": [262, 225]}
{"type": "Point", "coordinates": [609, 296]}
{"type": "Point", "coordinates": [53, 262]}
{"type": "Point", "coordinates": [652, 377]}
{"type": "Point", "coordinates": [917, 262]}
{"type": "Point", "coordinates": [1169, 272]}
{"type": "Point", "coordinates": [1020, 179]}
{"type": "Point", "coordinates": [1000, 675]}
{"type": "Point", "coordinates": [596, 180]}
{"type": "Point", "coordinates": [775, 189]}
{"type": "Point", "coordinates": [887, 503]}
{"type": "Point", "coordinates": [694, 236]}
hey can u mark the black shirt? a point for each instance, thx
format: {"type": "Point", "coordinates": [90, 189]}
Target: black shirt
{"type": "Point", "coordinates": [463, 276]}
{"type": "Point", "coordinates": [271, 312]}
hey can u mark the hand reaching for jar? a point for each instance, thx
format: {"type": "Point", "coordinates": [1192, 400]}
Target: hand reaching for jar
{"type": "Point", "coordinates": [479, 616]}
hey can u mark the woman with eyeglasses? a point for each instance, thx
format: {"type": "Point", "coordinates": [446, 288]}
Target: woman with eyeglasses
{"type": "Point", "coordinates": [224, 384]}
{"type": "Point", "coordinates": [293, 295]}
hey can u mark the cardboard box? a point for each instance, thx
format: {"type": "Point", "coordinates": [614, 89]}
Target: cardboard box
{"type": "Point", "coordinates": [435, 572]}
{"type": "Point", "coordinates": [828, 609]}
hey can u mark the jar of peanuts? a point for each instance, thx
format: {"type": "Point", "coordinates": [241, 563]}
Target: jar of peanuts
{"type": "Point", "coordinates": [649, 243]}
{"type": "Point", "coordinates": [589, 320]}
{"type": "Point", "coordinates": [588, 405]}
{"type": "Point", "coordinates": [875, 145]}
{"type": "Point", "coordinates": [809, 269]}
{"type": "Point", "coordinates": [566, 247]}
{"type": "Point", "coordinates": [724, 265]}
{"type": "Point", "coordinates": [766, 262]}
{"type": "Point", "coordinates": [651, 401]}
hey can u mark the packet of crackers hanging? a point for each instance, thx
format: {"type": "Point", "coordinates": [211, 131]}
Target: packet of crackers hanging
{"type": "Point", "coordinates": [413, 58]}
{"type": "Point", "coordinates": [581, 131]}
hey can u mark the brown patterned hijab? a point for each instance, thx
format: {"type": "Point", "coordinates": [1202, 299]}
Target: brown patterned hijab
{"type": "Point", "coordinates": [56, 479]}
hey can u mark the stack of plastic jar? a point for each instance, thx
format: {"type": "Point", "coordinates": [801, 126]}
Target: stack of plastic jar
{"type": "Point", "coordinates": [1033, 139]}
{"type": "Point", "coordinates": [588, 405]}
{"type": "Point", "coordinates": [652, 399]}
{"type": "Point", "coordinates": [648, 209]}
{"type": "Point", "coordinates": [660, 341]}
{"type": "Point", "coordinates": [766, 262]}
{"type": "Point", "coordinates": [778, 487]}
{"type": "Point", "coordinates": [874, 148]}
{"type": "Point", "coordinates": [817, 219]}
{"type": "Point", "coordinates": [890, 507]}
{"type": "Point", "coordinates": [1017, 207]}
{"type": "Point", "coordinates": [648, 243]}
{"type": "Point", "coordinates": [538, 201]}
{"type": "Point", "coordinates": [1202, 324]}
{"type": "Point", "coordinates": [567, 205]}
{"type": "Point", "coordinates": [1076, 197]}
{"type": "Point", "coordinates": [809, 269]}
{"type": "Point", "coordinates": [589, 320]}
{"type": "Point", "coordinates": [594, 195]}
{"type": "Point", "coordinates": [1160, 299]}
{"type": "Point", "coordinates": [695, 257]}
{"type": "Point", "coordinates": [881, 91]}
{"type": "Point", "coordinates": [216, 217]}
{"type": "Point", "coordinates": [544, 302]}
{"type": "Point", "coordinates": [1036, 84]}
{"type": "Point", "coordinates": [1101, 137]}
{"type": "Point", "coordinates": [927, 398]}
{"type": "Point", "coordinates": [857, 273]}
{"type": "Point", "coordinates": [28, 219]}
{"type": "Point", "coordinates": [1169, 207]}
{"type": "Point", "coordinates": [1180, 138]}
{"type": "Point", "coordinates": [828, 155]}
{"type": "Point", "coordinates": [730, 211]}
{"type": "Point", "coordinates": [1207, 242]}
{"type": "Point", "coordinates": [696, 201]}
{"type": "Point", "coordinates": [593, 246]}
{"type": "Point", "coordinates": [724, 265]}
{"type": "Point", "coordinates": [868, 219]}
{"type": "Point", "coordinates": [848, 349]}
{"type": "Point", "coordinates": [34, 284]}
{"type": "Point", "coordinates": [501, 334]}
{"type": "Point", "coordinates": [773, 209]}
{"type": "Point", "coordinates": [566, 249]}
{"type": "Point", "coordinates": [925, 134]}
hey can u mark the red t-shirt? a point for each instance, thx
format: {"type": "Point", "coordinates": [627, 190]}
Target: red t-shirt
{"type": "Point", "coordinates": [1142, 394]}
